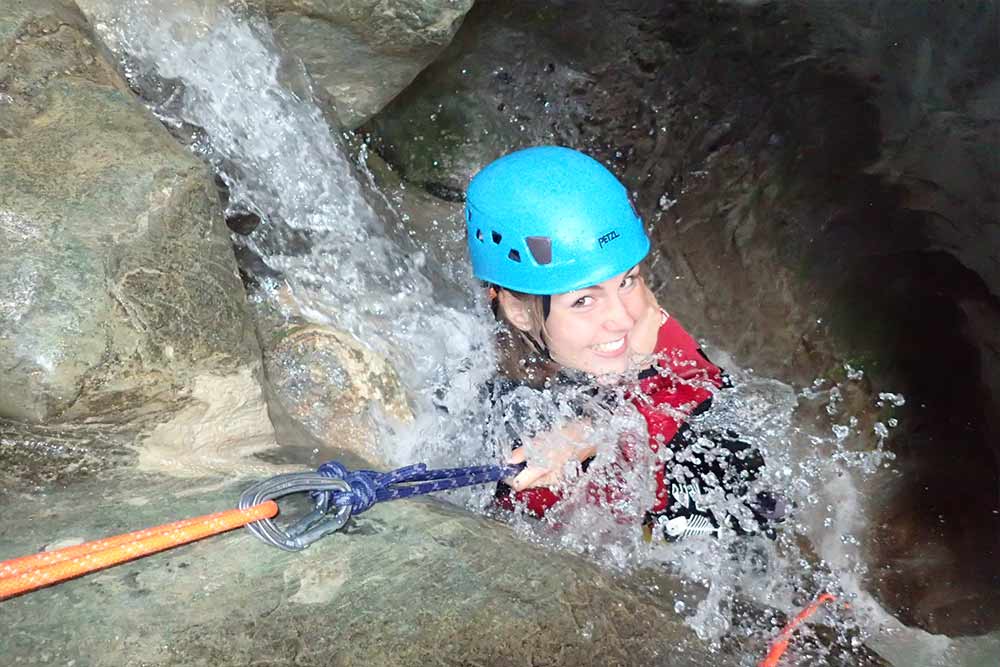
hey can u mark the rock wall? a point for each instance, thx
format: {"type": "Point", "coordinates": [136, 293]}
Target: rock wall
{"type": "Point", "coordinates": [358, 53]}
{"type": "Point", "coordinates": [932, 68]}
{"type": "Point", "coordinates": [821, 183]}
{"type": "Point", "coordinates": [413, 582]}
{"type": "Point", "coordinates": [349, 57]}
{"type": "Point", "coordinates": [125, 295]}
{"type": "Point", "coordinates": [361, 53]}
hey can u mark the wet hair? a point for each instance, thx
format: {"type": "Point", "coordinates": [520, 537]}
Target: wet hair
{"type": "Point", "coordinates": [522, 356]}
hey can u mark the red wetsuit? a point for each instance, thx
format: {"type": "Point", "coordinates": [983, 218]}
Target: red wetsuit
{"type": "Point", "coordinates": [679, 385]}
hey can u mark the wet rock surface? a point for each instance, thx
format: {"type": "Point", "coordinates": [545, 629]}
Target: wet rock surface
{"type": "Point", "coordinates": [514, 76]}
{"type": "Point", "coordinates": [324, 385]}
{"type": "Point", "coordinates": [35, 458]}
{"type": "Point", "coordinates": [800, 168]}
{"type": "Point", "coordinates": [361, 53]}
{"type": "Point", "coordinates": [425, 224]}
{"type": "Point", "coordinates": [358, 53]}
{"type": "Point", "coordinates": [407, 583]}
{"type": "Point", "coordinates": [125, 295]}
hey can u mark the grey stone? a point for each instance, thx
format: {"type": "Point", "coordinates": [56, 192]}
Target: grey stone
{"type": "Point", "coordinates": [424, 223]}
{"type": "Point", "coordinates": [125, 295]}
{"type": "Point", "coordinates": [506, 81]}
{"type": "Point", "coordinates": [933, 68]}
{"type": "Point", "coordinates": [327, 383]}
{"type": "Point", "coordinates": [358, 53]}
{"type": "Point", "coordinates": [361, 53]}
{"type": "Point", "coordinates": [407, 583]}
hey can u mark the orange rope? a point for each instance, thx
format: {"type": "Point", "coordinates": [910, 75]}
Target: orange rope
{"type": "Point", "coordinates": [27, 573]}
{"type": "Point", "coordinates": [780, 645]}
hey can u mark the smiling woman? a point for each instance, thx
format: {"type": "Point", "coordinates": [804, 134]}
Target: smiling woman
{"type": "Point", "coordinates": [554, 235]}
{"type": "Point", "coordinates": [601, 329]}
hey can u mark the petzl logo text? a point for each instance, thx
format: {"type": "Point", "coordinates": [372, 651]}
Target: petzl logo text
{"type": "Point", "coordinates": [607, 238]}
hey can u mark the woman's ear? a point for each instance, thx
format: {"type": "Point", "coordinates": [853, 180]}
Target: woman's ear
{"type": "Point", "coordinates": [516, 311]}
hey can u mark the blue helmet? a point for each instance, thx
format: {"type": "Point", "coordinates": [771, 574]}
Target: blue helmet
{"type": "Point", "coordinates": [549, 220]}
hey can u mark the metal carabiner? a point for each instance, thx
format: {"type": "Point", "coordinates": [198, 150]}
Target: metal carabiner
{"type": "Point", "coordinates": [318, 523]}
{"type": "Point", "coordinates": [311, 527]}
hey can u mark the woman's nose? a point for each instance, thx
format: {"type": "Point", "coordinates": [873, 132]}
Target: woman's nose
{"type": "Point", "coordinates": [617, 317]}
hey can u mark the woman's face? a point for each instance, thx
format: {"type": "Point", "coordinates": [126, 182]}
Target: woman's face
{"type": "Point", "coordinates": [589, 329]}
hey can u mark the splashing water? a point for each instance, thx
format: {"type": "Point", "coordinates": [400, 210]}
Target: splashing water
{"type": "Point", "coordinates": [217, 80]}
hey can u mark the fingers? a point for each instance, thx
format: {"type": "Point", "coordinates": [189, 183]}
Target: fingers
{"type": "Point", "coordinates": [550, 453]}
{"type": "Point", "coordinates": [532, 477]}
{"type": "Point", "coordinates": [642, 340]}
{"type": "Point", "coordinates": [528, 477]}
{"type": "Point", "coordinates": [652, 306]}
{"type": "Point", "coordinates": [517, 456]}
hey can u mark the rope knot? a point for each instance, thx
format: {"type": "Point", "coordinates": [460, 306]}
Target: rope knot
{"type": "Point", "coordinates": [332, 469]}
{"type": "Point", "coordinates": [365, 485]}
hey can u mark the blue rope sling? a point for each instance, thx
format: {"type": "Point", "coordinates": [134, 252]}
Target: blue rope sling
{"type": "Point", "coordinates": [339, 493]}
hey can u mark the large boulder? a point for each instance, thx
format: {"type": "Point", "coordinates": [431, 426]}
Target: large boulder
{"type": "Point", "coordinates": [124, 305]}
{"type": "Point", "coordinates": [509, 79]}
{"type": "Point", "coordinates": [359, 53]}
{"type": "Point", "coordinates": [324, 386]}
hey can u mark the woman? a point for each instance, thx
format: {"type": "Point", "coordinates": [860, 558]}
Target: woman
{"type": "Point", "coordinates": [554, 236]}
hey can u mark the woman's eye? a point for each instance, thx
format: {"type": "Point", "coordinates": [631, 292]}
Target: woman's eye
{"type": "Point", "coordinates": [628, 281]}
{"type": "Point", "coordinates": [583, 301]}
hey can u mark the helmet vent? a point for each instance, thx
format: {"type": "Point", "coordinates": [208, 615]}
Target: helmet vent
{"type": "Point", "coordinates": [514, 255]}
{"type": "Point", "coordinates": [497, 238]}
{"type": "Point", "coordinates": [541, 248]}
{"type": "Point", "coordinates": [479, 235]}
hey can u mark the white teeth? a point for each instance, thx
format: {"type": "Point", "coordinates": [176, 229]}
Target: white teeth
{"type": "Point", "coordinates": [610, 347]}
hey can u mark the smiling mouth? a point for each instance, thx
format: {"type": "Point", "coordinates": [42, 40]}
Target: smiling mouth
{"type": "Point", "coordinates": [613, 346]}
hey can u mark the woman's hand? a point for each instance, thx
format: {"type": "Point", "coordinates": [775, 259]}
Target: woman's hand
{"type": "Point", "coordinates": [550, 452]}
{"type": "Point", "coordinates": [642, 339]}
